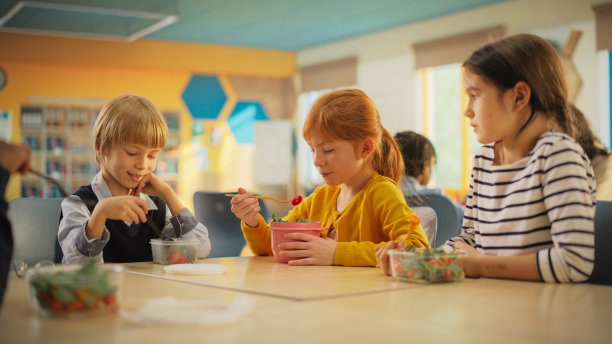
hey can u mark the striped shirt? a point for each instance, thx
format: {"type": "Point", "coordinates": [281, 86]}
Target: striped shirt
{"type": "Point", "coordinates": [543, 203]}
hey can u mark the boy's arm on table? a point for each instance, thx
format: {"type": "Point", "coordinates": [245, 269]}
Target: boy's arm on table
{"type": "Point", "coordinates": [71, 234]}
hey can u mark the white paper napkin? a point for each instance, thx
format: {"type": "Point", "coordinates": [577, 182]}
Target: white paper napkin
{"type": "Point", "coordinates": [171, 311]}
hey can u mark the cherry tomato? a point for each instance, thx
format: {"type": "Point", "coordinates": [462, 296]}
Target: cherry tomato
{"type": "Point", "coordinates": [410, 273]}
{"type": "Point", "coordinates": [296, 200]}
{"type": "Point", "coordinates": [177, 258]}
{"type": "Point", "coordinates": [434, 261]}
{"type": "Point", "coordinates": [54, 304]}
{"type": "Point", "coordinates": [398, 268]}
{"type": "Point", "coordinates": [447, 275]}
{"type": "Point", "coordinates": [110, 301]}
{"type": "Point", "coordinates": [447, 261]}
{"type": "Point", "coordinates": [75, 305]}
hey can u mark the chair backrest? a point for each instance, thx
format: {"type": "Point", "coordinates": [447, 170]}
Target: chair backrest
{"type": "Point", "coordinates": [213, 209]}
{"type": "Point", "coordinates": [429, 222]}
{"type": "Point", "coordinates": [35, 223]}
{"type": "Point", "coordinates": [602, 271]}
{"type": "Point", "coordinates": [449, 224]}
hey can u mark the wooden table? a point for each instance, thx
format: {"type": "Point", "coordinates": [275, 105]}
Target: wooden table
{"type": "Point", "coordinates": [332, 305]}
{"type": "Point", "coordinates": [263, 276]}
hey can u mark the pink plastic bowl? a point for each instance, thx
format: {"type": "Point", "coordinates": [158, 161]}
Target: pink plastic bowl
{"type": "Point", "coordinates": [279, 229]}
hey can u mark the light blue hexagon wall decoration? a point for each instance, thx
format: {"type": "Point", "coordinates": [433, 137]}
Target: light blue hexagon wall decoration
{"type": "Point", "coordinates": [204, 97]}
{"type": "Point", "coordinates": [242, 121]}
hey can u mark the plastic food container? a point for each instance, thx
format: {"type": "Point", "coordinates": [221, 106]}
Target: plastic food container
{"type": "Point", "coordinates": [75, 289]}
{"type": "Point", "coordinates": [426, 265]}
{"type": "Point", "coordinates": [178, 251]}
{"type": "Point", "coordinates": [279, 229]}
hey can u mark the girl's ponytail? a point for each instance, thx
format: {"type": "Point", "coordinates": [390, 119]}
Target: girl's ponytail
{"type": "Point", "coordinates": [388, 160]}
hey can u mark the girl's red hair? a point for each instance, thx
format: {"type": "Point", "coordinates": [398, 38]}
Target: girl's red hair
{"type": "Point", "coordinates": [349, 114]}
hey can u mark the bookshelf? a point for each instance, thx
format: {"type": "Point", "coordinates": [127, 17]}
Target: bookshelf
{"type": "Point", "coordinates": [61, 140]}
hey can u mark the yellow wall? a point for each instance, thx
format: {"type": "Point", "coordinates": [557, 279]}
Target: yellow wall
{"type": "Point", "coordinates": [76, 68]}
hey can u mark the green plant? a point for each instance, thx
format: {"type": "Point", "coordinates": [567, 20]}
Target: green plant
{"type": "Point", "coordinates": [278, 218]}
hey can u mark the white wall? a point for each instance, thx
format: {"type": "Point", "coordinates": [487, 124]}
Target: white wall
{"type": "Point", "coordinates": [386, 60]}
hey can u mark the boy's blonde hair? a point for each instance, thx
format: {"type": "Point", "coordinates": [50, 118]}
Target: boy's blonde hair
{"type": "Point", "coordinates": [129, 118]}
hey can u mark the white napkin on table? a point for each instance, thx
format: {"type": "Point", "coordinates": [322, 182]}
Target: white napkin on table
{"type": "Point", "coordinates": [168, 310]}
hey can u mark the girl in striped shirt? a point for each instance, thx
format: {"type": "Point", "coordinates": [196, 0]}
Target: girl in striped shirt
{"type": "Point", "coordinates": [531, 200]}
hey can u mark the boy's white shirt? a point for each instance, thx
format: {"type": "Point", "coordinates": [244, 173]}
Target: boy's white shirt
{"type": "Point", "coordinates": [76, 214]}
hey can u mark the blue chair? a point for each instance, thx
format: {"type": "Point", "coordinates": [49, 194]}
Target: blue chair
{"type": "Point", "coordinates": [602, 271]}
{"type": "Point", "coordinates": [35, 223]}
{"type": "Point", "coordinates": [213, 209]}
{"type": "Point", "coordinates": [449, 224]}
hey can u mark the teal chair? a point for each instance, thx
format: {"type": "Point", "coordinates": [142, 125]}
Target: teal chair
{"type": "Point", "coordinates": [213, 209]}
{"type": "Point", "coordinates": [602, 271]}
{"type": "Point", "coordinates": [449, 223]}
{"type": "Point", "coordinates": [35, 223]}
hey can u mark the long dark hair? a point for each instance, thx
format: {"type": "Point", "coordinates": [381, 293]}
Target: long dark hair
{"type": "Point", "coordinates": [530, 59]}
{"type": "Point", "coordinates": [585, 137]}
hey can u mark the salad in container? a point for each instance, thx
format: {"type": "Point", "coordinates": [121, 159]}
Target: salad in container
{"type": "Point", "coordinates": [75, 289]}
{"type": "Point", "coordinates": [426, 265]}
{"type": "Point", "coordinates": [177, 251]}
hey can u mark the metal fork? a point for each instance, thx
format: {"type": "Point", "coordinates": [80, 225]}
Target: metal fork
{"type": "Point", "coordinates": [53, 181]}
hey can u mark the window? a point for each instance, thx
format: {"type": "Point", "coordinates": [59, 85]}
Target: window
{"type": "Point", "coordinates": [443, 102]}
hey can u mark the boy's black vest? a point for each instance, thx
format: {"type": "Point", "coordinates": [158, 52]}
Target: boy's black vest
{"type": "Point", "coordinates": [127, 243]}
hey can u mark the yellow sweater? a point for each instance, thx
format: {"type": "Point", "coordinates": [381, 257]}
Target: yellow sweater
{"type": "Point", "coordinates": [377, 215]}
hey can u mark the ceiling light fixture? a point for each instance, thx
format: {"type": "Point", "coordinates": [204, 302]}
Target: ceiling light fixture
{"type": "Point", "coordinates": [83, 21]}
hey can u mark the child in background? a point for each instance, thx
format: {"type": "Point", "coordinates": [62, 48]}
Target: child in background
{"type": "Point", "coordinates": [531, 201]}
{"type": "Point", "coordinates": [360, 203]}
{"type": "Point", "coordinates": [419, 157]}
{"type": "Point", "coordinates": [107, 219]}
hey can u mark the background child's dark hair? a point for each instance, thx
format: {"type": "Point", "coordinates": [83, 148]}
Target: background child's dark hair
{"type": "Point", "coordinates": [349, 114]}
{"type": "Point", "coordinates": [416, 150]}
{"type": "Point", "coordinates": [530, 59]}
{"type": "Point", "coordinates": [585, 137]}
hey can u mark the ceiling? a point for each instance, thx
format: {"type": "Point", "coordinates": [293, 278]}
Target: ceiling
{"type": "Point", "coordinates": [273, 24]}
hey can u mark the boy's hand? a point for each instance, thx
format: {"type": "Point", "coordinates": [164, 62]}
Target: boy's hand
{"type": "Point", "coordinates": [245, 207]}
{"type": "Point", "coordinates": [312, 249]}
{"type": "Point", "coordinates": [127, 208]}
{"type": "Point", "coordinates": [15, 158]}
{"type": "Point", "coordinates": [152, 185]}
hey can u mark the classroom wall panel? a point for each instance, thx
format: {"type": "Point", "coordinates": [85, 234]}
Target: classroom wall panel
{"type": "Point", "coordinates": [77, 70]}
